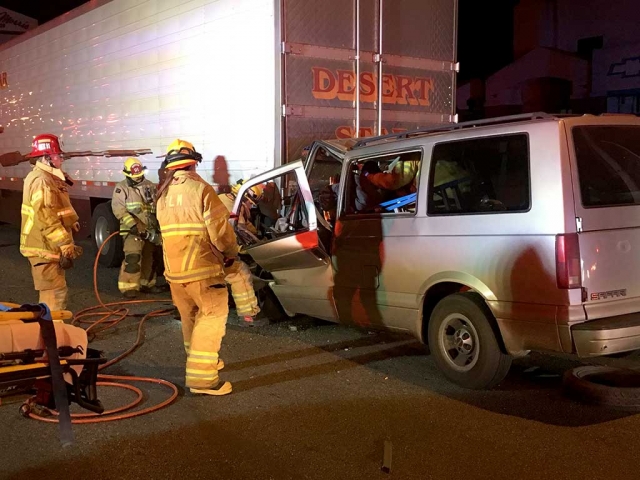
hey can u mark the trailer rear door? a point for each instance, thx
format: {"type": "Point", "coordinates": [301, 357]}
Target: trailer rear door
{"type": "Point", "coordinates": [399, 54]}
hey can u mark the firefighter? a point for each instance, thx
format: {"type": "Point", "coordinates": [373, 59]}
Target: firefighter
{"type": "Point", "coordinates": [368, 197]}
{"type": "Point", "coordinates": [133, 203]}
{"type": "Point", "coordinates": [198, 241]}
{"type": "Point", "coordinates": [238, 275]}
{"type": "Point", "coordinates": [48, 220]}
{"type": "Point", "coordinates": [400, 174]}
{"type": "Point", "coordinates": [269, 203]}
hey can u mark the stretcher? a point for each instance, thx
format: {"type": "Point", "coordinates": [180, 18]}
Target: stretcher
{"type": "Point", "coordinates": [400, 202]}
{"type": "Point", "coordinates": [43, 356]}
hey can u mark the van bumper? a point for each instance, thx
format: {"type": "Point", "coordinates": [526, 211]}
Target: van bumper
{"type": "Point", "coordinates": [606, 336]}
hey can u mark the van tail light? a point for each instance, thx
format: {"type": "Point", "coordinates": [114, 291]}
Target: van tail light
{"type": "Point", "coordinates": [568, 274]}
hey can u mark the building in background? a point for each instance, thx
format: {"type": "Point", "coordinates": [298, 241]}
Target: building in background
{"type": "Point", "coordinates": [580, 56]}
{"type": "Point", "coordinates": [13, 24]}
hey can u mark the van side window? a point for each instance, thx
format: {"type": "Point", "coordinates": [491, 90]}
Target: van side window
{"type": "Point", "coordinates": [387, 184]}
{"type": "Point", "coordinates": [271, 210]}
{"type": "Point", "coordinates": [324, 181]}
{"type": "Point", "coordinates": [480, 175]}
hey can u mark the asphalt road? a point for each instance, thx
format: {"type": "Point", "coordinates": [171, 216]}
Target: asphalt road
{"type": "Point", "coordinates": [315, 403]}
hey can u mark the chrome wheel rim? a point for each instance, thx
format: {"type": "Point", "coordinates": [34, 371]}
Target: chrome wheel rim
{"type": "Point", "coordinates": [458, 340]}
{"type": "Point", "coordinates": [101, 233]}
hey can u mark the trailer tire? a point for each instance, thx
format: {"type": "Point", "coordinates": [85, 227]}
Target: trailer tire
{"type": "Point", "coordinates": [103, 224]}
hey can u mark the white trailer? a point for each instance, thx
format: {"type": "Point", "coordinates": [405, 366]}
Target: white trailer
{"type": "Point", "coordinates": [248, 82]}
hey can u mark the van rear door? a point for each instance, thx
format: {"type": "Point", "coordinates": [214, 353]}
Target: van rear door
{"type": "Point", "coordinates": [605, 159]}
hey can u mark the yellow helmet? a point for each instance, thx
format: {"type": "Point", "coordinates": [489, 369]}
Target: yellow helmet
{"type": "Point", "coordinates": [181, 154]}
{"type": "Point", "coordinates": [235, 188]}
{"type": "Point", "coordinates": [256, 189]}
{"type": "Point", "coordinates": [133, 168]}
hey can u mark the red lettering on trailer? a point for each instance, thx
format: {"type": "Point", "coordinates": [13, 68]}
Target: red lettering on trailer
{"type": "Point", "coordinates": [367, 87]}
{"type": "Point", "coordinates": [346, 85]}
{"type": "Point", "coordinates": [345, 131]}
{"type": "Point", "coordinates": [405, 91]}
{"type": "Point", "coordinates": [396, 89]}
{"type": "Point", "coordinates": [426, 88]}
{"type": "Point", "coordinates": [324, 84]}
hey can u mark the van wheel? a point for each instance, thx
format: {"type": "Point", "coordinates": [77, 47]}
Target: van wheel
{"type": "Point", "coordinates": [103, 224]}
{"type": "Point", "coordinates": [270, 308]}
{"type": "Point", "coordinates": [464, 344]}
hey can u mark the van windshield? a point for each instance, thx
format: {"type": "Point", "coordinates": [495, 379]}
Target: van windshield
{"type": "Point", "coordinates": [608, 160]}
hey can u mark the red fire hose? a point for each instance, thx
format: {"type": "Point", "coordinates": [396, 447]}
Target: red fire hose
{"type": "Point", "coordinates": [110, 315]}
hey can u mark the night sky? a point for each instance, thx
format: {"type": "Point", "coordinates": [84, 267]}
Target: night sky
{"type": "Point", "coordinates": [484, 39]}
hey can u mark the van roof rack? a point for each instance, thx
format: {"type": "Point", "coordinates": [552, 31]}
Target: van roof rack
{"type": "Point", "coordinates": [456, 126]}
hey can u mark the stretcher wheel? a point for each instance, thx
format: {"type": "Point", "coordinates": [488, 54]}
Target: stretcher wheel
{"type": "Point", "coordinates": [25, 410]}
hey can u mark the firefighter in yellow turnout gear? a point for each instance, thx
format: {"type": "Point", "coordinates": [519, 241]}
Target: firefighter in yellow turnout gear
{"type": "Point", "coordinates": [48, 220]}
{"type": "Point", "coordinates": [238, 275]}
{"type": "Point", "coordinates": [133, 203]}
{"type": "Point", "coordinates": [198, 241]}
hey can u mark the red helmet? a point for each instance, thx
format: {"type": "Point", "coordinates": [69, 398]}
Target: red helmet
{"type": "Point", "coordinates": [45, 144]}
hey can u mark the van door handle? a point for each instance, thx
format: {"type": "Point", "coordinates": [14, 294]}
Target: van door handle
{"type": "Point", "coordinates": [316, 252]}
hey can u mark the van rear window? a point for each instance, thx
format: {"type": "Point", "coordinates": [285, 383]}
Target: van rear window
{"type": "Point", "coordinates": [608, 160]}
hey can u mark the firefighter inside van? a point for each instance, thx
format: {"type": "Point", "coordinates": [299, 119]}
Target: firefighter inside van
{"type": "Point", "coordinates": [244, 220]}
{"type": "Point", "coordinates": [259, 210]}
{"type": "Point", "coordinates": [133, 204]}
{"type": "Point", "coordinates": [48, 222]}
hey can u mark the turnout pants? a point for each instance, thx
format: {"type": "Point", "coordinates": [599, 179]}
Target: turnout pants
{"type": "Point", "coordinates": [50, 282]}
{"type": "Point", "coordinates": [203, 308]}
{"type": "Point", "coordinates": [138, 265]}
{"type": "Point", "coordinates": [238, 276]}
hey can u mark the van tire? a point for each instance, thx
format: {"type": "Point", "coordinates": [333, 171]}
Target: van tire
{"type": "Point", "coordinates": [463, 329]}
{"type": "Point", "coordinates": [103, 224]}
{"type": "Point", "coordinates": [270, 308]}
{"type": "Point", "coordinates": [599, 385]}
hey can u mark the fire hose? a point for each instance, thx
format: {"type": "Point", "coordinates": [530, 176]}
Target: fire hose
{"type": "Point", "coordinates": [109, 316]}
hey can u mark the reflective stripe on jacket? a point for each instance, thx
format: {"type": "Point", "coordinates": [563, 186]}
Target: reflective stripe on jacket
{"type": "Point", "coordinates": [196, 233]}
{"type": "Point", "coordinates": [47, 214]}
{"type": "Point", "coordinates": [132, 205]}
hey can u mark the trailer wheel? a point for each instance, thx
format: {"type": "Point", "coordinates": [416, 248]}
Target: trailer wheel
{"type": "Point", "coordinates": [103, 224]}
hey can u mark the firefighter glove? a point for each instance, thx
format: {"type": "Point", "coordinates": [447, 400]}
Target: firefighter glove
{"type": "Point", "coordinates": [138, 229]}
{"type": "Point", "coordinates": [152, 237]}
{"type": "Point", "coordinates": [71, 251]}
{"type": "Point", "coordinates": [65, 263]}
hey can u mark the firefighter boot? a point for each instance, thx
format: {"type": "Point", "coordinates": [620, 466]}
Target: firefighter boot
{"type": "Point", "coordinates": [223, 388]}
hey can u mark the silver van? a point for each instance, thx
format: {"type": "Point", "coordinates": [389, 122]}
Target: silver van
{"type": "Point", "coordinates": [485, 240]}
